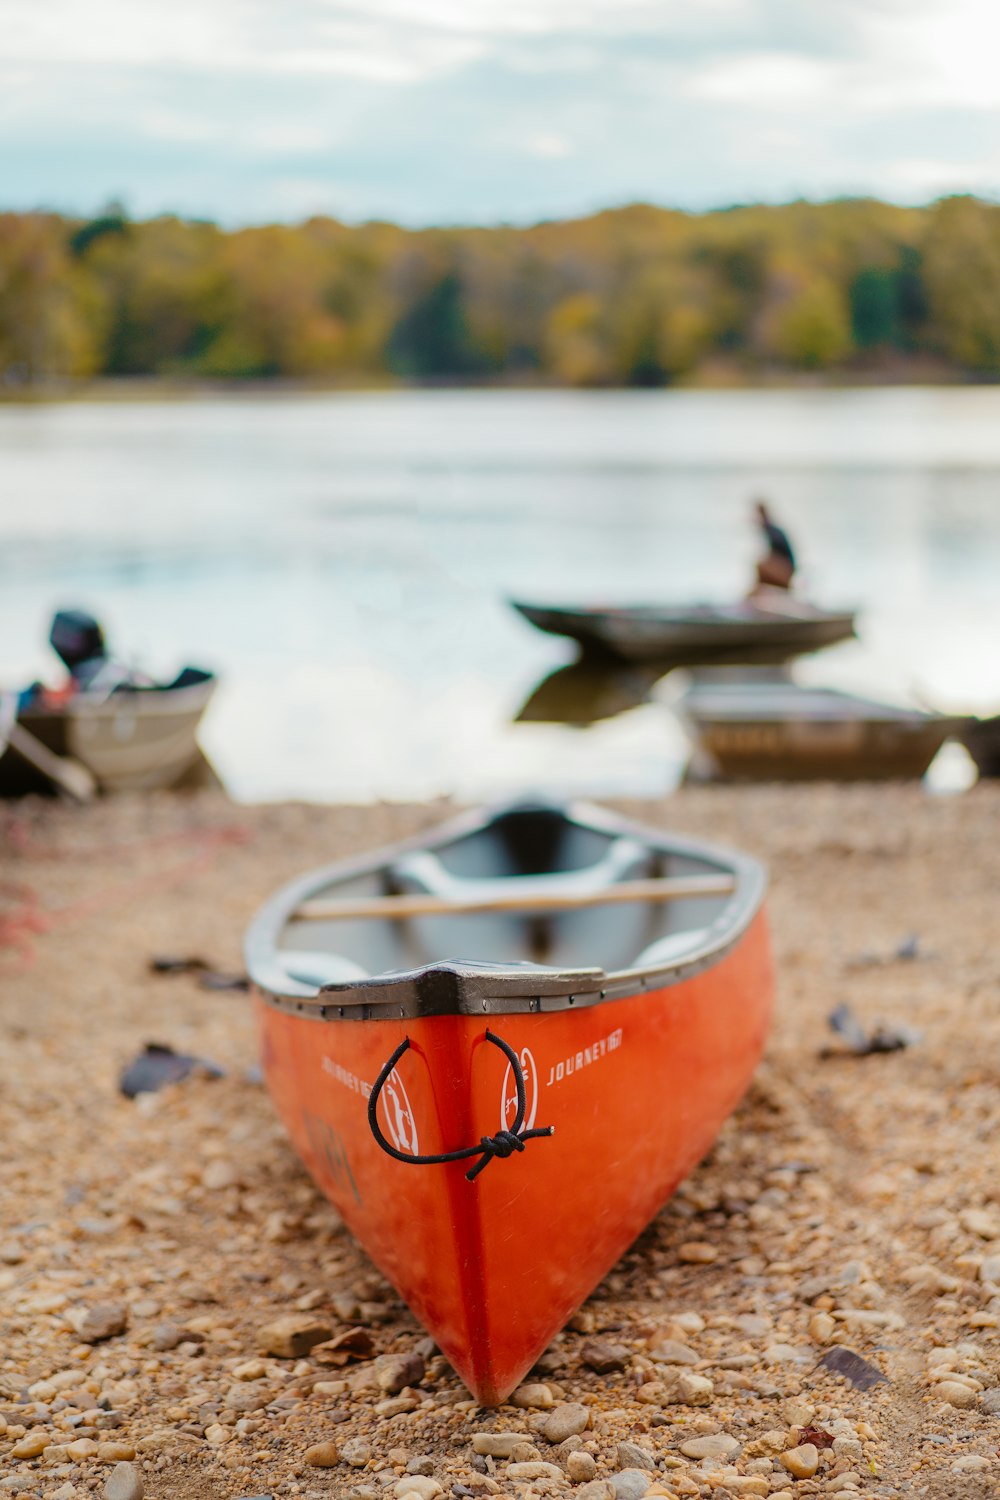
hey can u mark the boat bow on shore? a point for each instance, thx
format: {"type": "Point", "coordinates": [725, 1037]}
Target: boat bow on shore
{"type": "Point", "coordinates": [557, 1004]}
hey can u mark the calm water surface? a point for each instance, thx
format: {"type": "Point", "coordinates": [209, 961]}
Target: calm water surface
{"type": "Point", "coordinates": [343, 560]}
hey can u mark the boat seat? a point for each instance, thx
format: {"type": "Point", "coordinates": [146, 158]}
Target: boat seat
{"type": "Point", "coordinates": [422, 871]}
{"type": "Point", "coordinates": [666, 949]}
{"type": "Point", "coordinates": [589, 937]}
{"type": "Point", "coordinates": [319, 968]}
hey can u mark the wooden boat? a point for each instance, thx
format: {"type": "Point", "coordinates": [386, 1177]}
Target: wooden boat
{"type": "Point", "coordinates": [765, 730]}
{"type": "Point", "coordinates": [774, 629]}
{"type": "Point", "coordinates": [134, 738]}
{"type": "Point", "coordinates": [981, 737]}
{"type": "Point", "coordinates": [556, 986]}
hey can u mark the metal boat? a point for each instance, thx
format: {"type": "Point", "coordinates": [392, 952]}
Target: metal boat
{"type": "Point", "coordinates": [981, 737]}
{"type": "Point", "coordinates": [774, 628]}
{"type": "Point", "coordinates": [133, 738]}
{"type": "Point", "coordinates": [747, 728]}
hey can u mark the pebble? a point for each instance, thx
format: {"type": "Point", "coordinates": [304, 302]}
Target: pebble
{"type": "Point", "coordinates": [580, 1466]}
{"type": "Point", "coordinates": [989, 1268]}
{"type": "Point", "coordinates": [697, 1253]}
{"type": "Point", "coordinates": [535, 1469]}
{"type": "Point", "coordinates": [292, 1336]}
{"type": "Point", "coordinates": [670, 1352]}
{"type": "Point", "coordinates": [603, 1356]}
{"type": "Point", "coordinates": [798, 1413]}
{"type": "Point", "coordinates": [167, 1336]}
{"type": "Point", "coordinates": [631, 1456]}
{"type": "Point", "coordinates": [955, 1393]}
{"type": "Point", "coordinates": [496, 1444]}
{"type": "Point", "coordinates": [564, 1421]}
{"type": "Point", "coordinates": [113, 1453]}
{"type": "Point", "coordinates": [31, 1446]}
{"type": "Point", "coordinates": [103, 1321]}
{"type": "Point", "coordinates": [395, 1406]}
{"type": "Point", "coordinates": [322, 1455]}
{"type": "Point", "coordinates": [248, 1396]}
{"type": "Point", "coordinates": [418, 1484]}
{"type": "Point", "coordinates": [597, 1489]}
{"type": "Point", "coordinates": [716, 1445]}
{"type": "Point", "coordinates": [990, 1401]}
{"type": "Point", "coordinates": [788, 1354]}
{"type": "Point", "coordinates": [694, 1390]}
{"type": "Point", "coordinates": [532, 1396]}
{"type": "Point", "coordinates": [821, 1327]}
{"type": "Point", "coordinates": [394, 1372]}
{"type": "Point", "coordinates": [801, 1462]}
{"type": "Point", "coordinates": [630, 1484]}
{"type": "Point", "coordinates": [124, 1483]}
{"type": "Point", "coordinates": [356, 1452]}
{"type": "Point", "coordinates": [219, 1174]}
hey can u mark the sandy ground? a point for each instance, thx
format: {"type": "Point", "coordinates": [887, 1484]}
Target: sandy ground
{"type": "Point", "coordinates": [853, 1200]}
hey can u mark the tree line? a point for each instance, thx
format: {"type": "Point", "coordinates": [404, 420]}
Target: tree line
{"type": "Point", "coordinates": [637, 296]}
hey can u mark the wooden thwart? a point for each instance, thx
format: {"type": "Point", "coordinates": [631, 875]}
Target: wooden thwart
{"type": "Point", "coordinates": [681, 888]}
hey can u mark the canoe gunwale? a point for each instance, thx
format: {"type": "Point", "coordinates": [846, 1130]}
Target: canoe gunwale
{"type": "Point", "coordinates": [470, 989]}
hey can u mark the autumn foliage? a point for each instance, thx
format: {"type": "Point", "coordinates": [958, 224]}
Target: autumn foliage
{"type": "Point", "coordinates": [638, 296]}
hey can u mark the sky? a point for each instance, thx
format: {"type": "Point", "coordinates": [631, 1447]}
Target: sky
{"type": "Point", "coordinates": [491, 111]}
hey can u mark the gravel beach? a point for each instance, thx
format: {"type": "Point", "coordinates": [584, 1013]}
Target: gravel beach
{"type": "Point", "coordinates": [153, 1249]}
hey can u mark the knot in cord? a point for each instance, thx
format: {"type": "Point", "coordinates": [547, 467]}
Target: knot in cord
{"type": "Point", "coordinates": [503, 1144]}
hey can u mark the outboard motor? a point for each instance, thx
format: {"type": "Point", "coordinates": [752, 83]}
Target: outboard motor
{"type": "Point", "coordinates": [78, 641]}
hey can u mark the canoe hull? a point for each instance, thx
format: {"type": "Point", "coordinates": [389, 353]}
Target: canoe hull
{"type": "Point", "coordinates": [636, 1089]}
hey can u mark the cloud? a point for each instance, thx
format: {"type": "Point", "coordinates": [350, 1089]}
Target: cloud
{"type": "Point", "coordinates": [766, 80]}
{"type": "Point", "coordinates": [478, 110]}
{"type": "Point", "coordinates": [552, 147]}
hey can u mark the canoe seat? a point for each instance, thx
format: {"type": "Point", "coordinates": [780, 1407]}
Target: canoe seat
{"type": "Point", "coordinates": [319, 968]}
{"type": "Point", "coordinates": [626, 859]}
{"type": "Point", "coordinates": [603, 937]}
{"type": "Point", "coordinates": [666, 949]}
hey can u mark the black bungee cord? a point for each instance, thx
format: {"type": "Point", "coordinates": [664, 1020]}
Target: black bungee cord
{"type": "Point", "coordinates": [503, 1144]}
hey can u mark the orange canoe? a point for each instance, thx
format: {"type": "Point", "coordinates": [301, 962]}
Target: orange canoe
{"type": "Point", "coordinates": [563, 1005]}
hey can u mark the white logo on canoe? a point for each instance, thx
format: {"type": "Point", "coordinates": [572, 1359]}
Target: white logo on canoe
{"type": "Point", "coordinates": [594, 1052]}
{"type": "Point", "coordinates": [508, 1098]}
{"type": "Point", "coordinates": [396, 1115]}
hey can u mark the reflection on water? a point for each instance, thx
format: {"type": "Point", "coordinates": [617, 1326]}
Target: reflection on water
{"type": "Point", "coordinates": [584, 692]}
{"type": "Point", "coordinates": [343, 560]}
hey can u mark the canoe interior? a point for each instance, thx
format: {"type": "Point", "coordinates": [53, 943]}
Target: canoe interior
{"type": "Point", "coordinates": [536, 849]}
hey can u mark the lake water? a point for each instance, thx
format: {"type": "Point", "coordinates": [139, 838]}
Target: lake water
{"type": "Point", "coordinates": [343, 560]}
